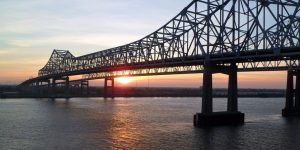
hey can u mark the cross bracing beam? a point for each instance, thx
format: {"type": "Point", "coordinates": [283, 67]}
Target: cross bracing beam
{"type": "Point", "coordinates": [210, 30]}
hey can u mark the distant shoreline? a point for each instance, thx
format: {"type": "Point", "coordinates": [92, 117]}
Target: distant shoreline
{"type": "Point", "coordinates": [12, 92]}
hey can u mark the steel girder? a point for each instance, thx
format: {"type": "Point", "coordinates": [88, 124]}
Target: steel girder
{"type": "Point", "coordinates": [267, 65]}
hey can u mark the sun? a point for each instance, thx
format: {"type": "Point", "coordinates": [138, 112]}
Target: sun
{"type": "Point", "coordinates": [125, 80]}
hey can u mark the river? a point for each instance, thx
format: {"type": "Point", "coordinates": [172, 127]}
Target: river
{"type": "Point", "coordinates": [141, 123]}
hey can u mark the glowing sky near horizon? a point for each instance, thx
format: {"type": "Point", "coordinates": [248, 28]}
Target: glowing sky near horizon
{"type": "Point", "coordinates": [31, 29]}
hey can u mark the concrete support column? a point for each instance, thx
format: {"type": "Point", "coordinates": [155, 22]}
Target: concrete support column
{"type": "Point", "coordinates": [109, 88]}
{"type": "Point", "coordinates": [292, 107]}
{"type": "Point", "coordinates": [232, 105]}
{"type": "Point", "coordinates": [67, 85]}
{"type": "Point", "coordinates": [38, 90]}
{"type": "Point", "coordinates": [112, 87]}
{"type": "Point", "coordinates": [105, 87]}
{"type": "Point", "coordinates": [82, 87]}
{"type": "Point", "coordinates": [48, 89]}
{"type": "Point", "coordinates": [207, 104]}
{"type": "Point", "coordinates": [53, 85]}
{"type": "Point", "coordinates": [289, 91]}
{"type": "Point", "coordinates": [87, 87]}
{"type": "Point", "coordinates": [230, 117]}
{"type": "Point", "coordinates": [49, 83]}
{"type": "Point", "coordinates": [297, 90]}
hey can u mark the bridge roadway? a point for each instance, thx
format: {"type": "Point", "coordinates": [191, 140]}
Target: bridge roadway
{"type": "Point", "coordinates": [207, 36]}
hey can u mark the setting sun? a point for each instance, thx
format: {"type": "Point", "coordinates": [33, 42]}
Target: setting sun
{"type": "Point", "coordinates": [125, 80]}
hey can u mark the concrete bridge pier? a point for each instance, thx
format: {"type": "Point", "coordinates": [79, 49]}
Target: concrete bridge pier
{"type": "Point", "coordinates": [292, 105]}
{"type": "Point", "coordinates": [38, 89]}
{"type": "Point", "coordinates": [47, 89]}
{"type": "Point", "coordinates": [230, 117]}
{"type": "Point", "coordinates": [43, 86]}
{"type": "Point", "coordinates": [297, 90]}
{"type": "Point", "coordinates": [232, 104]}
{"type": "Point", "coordinates": [109, 85]}
{"type": "Point", "coordinates": [49, 83]}
{"type": "Point", "coordinates": [53, 86]}
{"type": "Point", "coordinates": [84, 87]}
{"type": "Point", "coordinates": [66, 86]}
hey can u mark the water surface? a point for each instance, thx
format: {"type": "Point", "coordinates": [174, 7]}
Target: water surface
{"type": "Point", "coordinates": [140, 123]}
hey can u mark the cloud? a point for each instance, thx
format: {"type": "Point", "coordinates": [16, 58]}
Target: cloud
{"type": "Point", "coordinates": [99, 42]}
{"type": "Point", "coordinates": [7, 52]}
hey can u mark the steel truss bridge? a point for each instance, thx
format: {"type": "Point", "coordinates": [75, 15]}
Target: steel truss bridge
{"type": "Point", "coordinates": [207, 36]}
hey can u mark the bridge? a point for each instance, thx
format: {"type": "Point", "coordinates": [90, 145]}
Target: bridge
{"type": "Point", "coordinates": [207, 36]}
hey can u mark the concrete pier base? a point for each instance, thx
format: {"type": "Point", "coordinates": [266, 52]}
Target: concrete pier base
{"type": "Point", "coordinates": [232, 116]}
{"type": "Point", "coordinates": [218, 119]}
{"type": "Point", "coordinates": [290, 112]}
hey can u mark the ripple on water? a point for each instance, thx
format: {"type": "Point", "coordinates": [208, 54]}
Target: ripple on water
{"type": "Point", "coordinates": [140, 123]}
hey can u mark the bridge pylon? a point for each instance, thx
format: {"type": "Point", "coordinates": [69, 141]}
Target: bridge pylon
{"type": "Point", "coordinates": [42, 87]}
{"type": "Point", "coordinates": [109, 85]}
{"type": "Point", "coordinates": [292, 105]}
{"type": "Point", "coordinates": [209, 118]}
{"type": "Point", "coordinates": [84, 87]}
{"type": "Point", "coordinates": [54, 86]}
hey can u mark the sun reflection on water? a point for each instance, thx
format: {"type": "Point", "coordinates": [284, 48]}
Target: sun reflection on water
{"type": "Point", "coordinates": [125, 133]}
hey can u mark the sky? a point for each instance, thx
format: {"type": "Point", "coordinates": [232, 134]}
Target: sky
{"type": "Point", "coordinates": [31, 29]}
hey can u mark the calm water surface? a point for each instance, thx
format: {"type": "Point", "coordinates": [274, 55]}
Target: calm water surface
{"type": "Point", "coordinates": [140, 123]}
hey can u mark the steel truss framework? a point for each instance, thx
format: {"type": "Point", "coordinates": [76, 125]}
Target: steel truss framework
{"type": "Point", "coordinates": [262, 34]}
{"type": "Point", "coordinates": [242, 67]}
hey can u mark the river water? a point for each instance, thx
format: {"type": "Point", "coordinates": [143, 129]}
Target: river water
{"type": "Point", "coordinates": [141, 123]}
